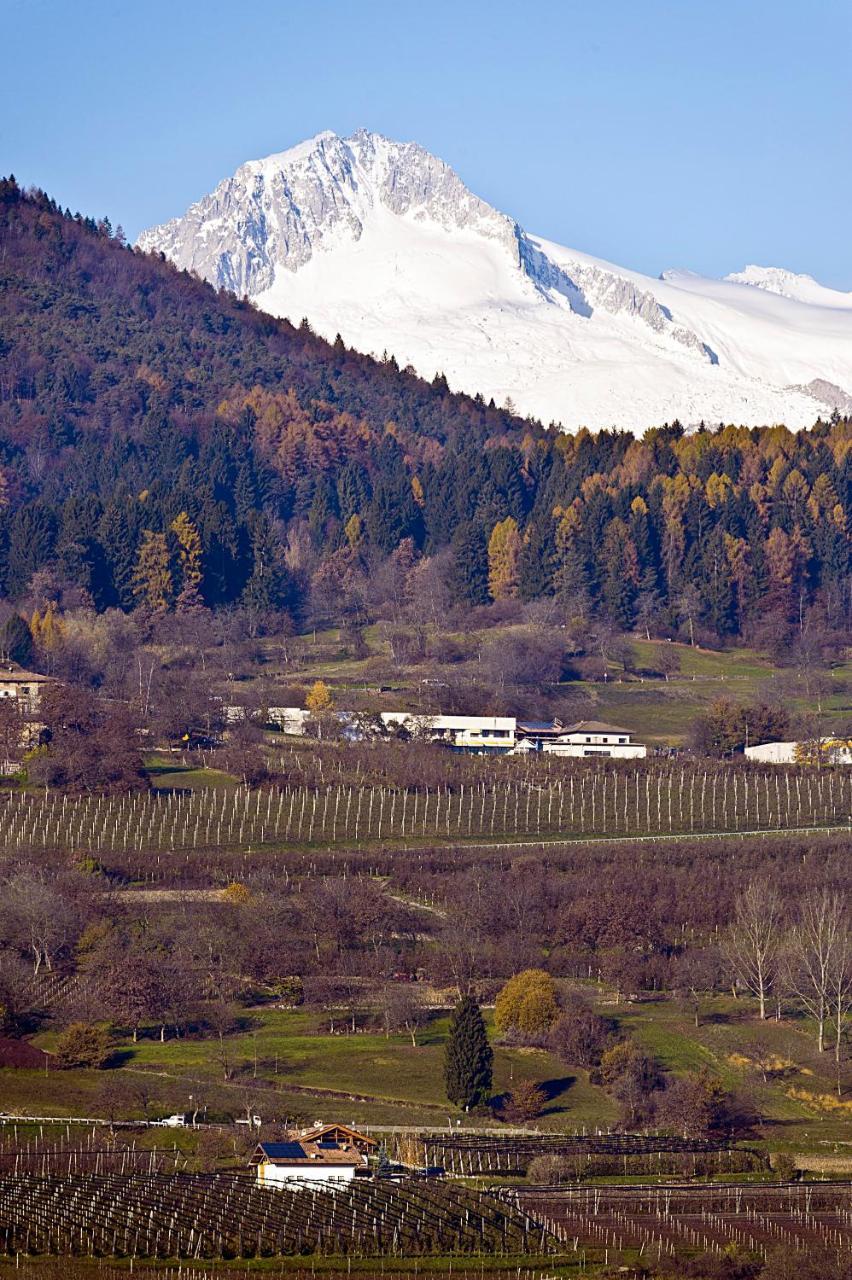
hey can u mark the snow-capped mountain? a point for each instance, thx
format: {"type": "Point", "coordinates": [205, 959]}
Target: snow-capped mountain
{"type": "Point", "coordinates": [383, 243]}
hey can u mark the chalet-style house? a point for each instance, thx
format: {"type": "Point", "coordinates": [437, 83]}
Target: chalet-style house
{"type": "Point", "coordinates": [326, 1153]}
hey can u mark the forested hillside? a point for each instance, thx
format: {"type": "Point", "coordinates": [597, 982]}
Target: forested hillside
{"type": "Point", "coordinates": [165, 446]}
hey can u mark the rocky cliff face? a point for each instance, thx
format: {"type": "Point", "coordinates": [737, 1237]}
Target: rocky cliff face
{"type": "Point", "coordinates": [282, 210]}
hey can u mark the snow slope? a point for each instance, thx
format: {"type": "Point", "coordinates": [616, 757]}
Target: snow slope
{"type": "Point", "coordinates": [381, 242]}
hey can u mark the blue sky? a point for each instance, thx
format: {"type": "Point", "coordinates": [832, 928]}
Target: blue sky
{"type": "Point", "coordinates": [654, 133]}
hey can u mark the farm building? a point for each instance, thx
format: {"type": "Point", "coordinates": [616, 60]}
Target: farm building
{"type": "Point", "coordinates": [831, 750]}
{"type": "Point", "coordinates": [594, 738]}
{"type": "Point", "coordinates": [326, 1153]}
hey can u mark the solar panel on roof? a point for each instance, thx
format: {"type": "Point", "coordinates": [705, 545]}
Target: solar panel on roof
{"type": "Point", "coordinates": [284, 1150]}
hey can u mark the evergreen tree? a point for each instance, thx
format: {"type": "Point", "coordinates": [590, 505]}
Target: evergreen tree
{"type": "Point", "coordinates": [16, 641]}
{"type": "Point", "coordinates": [32, 540]}
{"type": "Point", "coordinates": [467, 1057]}
{"type": "Point", "coordinates": [269, 586]}
{"type": "Point", "coordinates": [469, 569]}
{"type": "Point", "coordinates": [117, 538]}
{"type": "Point", "coordinates": [394, 514]}
{"type": "Point", "coordinates": [537, 560]}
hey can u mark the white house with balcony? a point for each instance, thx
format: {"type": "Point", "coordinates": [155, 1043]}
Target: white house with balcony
{"type": "Point", "coordinates": [462, 733]}
{"type": "Point", "coordinates": [593, 738]}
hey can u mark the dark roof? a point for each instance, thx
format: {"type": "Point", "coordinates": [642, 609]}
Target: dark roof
{"type": "Point", "coordinates": [538, 726]}
{"type": "Point", "coordinates": [310, 1154]}
{"type": "Point", "coordinates": [283, 1150]}
{"type": "Point", "coordinates": [594, 726]}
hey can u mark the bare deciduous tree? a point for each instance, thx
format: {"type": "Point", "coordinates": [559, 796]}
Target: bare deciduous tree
{"type": "Point", "coordinates": [754, 942]}
{"type": "Point", "coordinates": [816, 945]}
{"type": "Point", "coordinates": [840, 996]}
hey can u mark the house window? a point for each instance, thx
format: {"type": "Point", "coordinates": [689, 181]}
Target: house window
{"type": "Point", "coordinates": [622, 739]}
{"type": "Point", "coordinates": [588, 739]}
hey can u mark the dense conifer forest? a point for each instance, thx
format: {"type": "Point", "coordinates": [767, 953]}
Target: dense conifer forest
{"type": "Point", "coordinates": [165, 446]}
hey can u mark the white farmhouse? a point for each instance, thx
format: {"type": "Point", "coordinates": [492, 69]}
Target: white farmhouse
{"type": "Point", "coordinates": [594, 738]}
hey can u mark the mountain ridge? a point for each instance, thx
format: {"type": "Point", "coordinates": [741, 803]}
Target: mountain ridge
{"type": "Point", "coordinates": [382, 242]}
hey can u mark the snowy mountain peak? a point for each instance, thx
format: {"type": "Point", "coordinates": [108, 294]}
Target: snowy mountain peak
{"type": "Point", "coordinates": [281, 210]}
{"type": "Point", "coordinates": [787, 284]}
{"type": "Point", "coordinates": [382, 242]}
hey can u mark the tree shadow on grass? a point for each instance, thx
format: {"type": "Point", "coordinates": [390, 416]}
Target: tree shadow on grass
{"type": "Point", "coordinates": [553, 1090]}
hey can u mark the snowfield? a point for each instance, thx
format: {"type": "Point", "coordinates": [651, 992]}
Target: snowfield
{"type": "Point", "coordinates": [382, 243]}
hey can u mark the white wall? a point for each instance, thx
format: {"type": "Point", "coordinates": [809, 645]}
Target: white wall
{"type": "Point", "coordinates": [276, 1174]}
{"type": "Point", "coordinates": [580, 750]}
{"type": "Point", "coordinates": [773, 753]}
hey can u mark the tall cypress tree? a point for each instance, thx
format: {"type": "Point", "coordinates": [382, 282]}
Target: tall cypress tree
{"type": "Point", "coordinates": [467, 1057]}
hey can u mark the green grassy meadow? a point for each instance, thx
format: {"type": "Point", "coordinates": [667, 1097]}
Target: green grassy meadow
{"type": "Point", "coordinates": [305, 1072]}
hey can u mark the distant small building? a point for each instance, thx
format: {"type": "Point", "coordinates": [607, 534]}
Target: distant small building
{"type": "Point", "coordinates": [828, 750]}
{"type": "Point", "coordinates": [327, 1153]}
{"type": "Point", "coordinates": [462, 733]}
{"type": "Point", "coordinates": [25, 687]}
{"type": "Point", "coordinates": [589, 738]}
{"type": "Point", "coordinates": [289, 719]}
{"type": "Point", "coordinates": [773, 753]}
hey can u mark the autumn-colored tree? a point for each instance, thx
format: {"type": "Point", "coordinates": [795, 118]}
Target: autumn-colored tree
{"type": "Point", "coordinates": [82, 1045]}
{"type": "Point", "coordinates": [236, 894]}
{"type": "Point", "coordinates": [189, 562]}
{"type": "Point", "coordinates": [527, 1005]}
{"type": "Point", "coordinates": [47, 627]}
{"type": "Point", "coordinates": [320, 703]}
{"type": "Point", "coordinates": [152, 577]}
{"type": "Point", "coordinates": [504, 553]}
{"type": "Point", "coordinates": [526, 1101]}
{"type": "Point", "coordinates": [354, 530]}
{"type": "Point", "coordinates": [319, 699]}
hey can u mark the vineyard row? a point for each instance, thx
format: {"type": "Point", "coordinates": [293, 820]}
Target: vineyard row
{"type": "Point", "coordinates": [595, 803]}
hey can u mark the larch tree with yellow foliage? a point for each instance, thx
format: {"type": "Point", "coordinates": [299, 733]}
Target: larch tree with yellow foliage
{"type": "Point", "coordinates": [189, 561]}
{"type": "Point", "coordinates": [320, 703]}
{"type": "Point", "coordinates": [152, 577]}
{"type": "Point", "coordinates": [48, 629]}
{"type": "Point", "coordinates": [504, 553]}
